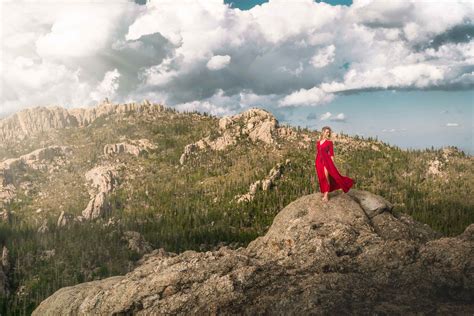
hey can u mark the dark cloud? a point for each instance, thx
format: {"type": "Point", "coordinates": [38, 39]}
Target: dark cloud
{"type": "Point", "coordinates": [462, 33]}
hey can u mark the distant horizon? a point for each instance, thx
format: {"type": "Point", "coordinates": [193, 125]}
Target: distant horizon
{"type": "Point", "coordinates": [468, 151]}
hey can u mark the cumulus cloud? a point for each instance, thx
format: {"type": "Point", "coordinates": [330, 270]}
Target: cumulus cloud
{"type": "Point", "coordinates": [323, 57]}
{"type": "Point", "coordinates": [314, 96]}
{"type": "Point", "coordinates": [336, 118]}
{"type": "Point", "coordinates": [218, 62]}
{"type": "Point", "coordinates": [325, 116]}
{"type": "Point", "coordinates": [339, 117]}
{"type": "Point", "coordinates": [108, 87]}
{"type": "Point", "coordinates": [67, 53]}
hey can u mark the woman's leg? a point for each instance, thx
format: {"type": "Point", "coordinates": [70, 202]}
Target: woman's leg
{"type": "Point", "coordinates": [325, 196]}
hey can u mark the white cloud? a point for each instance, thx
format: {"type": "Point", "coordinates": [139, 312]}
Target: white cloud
{"type": "Point", "coordinates": [314, 96]}
{"type": "Point", "coordinates": [108, 87]}
{"type": "Point", "coordinates": [325, 116]}
{"type": "Point", "coordinates": [79, 32]}
{"type": "Point", "coordinates": [282, 55]}
{"type": "Point", "coordinates": [204, 106]}
{"type": "Point", "coordinates": [218, 62]}
{"type": "Point", "coordinates": [452, 124]}
{"type": "Point", "coordinates": [339, 117]}
{"type": "Point", "coordinates": [161, 74]}
{"type": "Point", "coordinates": [249, 99]}
{"type": "Point", "coordinates": [277, 21]}
{"type": "Point", "coordinates": [323, 57]}
{"type": "Point", "coordinates": [336, 118]}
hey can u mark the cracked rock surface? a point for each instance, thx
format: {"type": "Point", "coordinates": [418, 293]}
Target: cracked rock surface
{"type": "Point", "coordinates": [352, 255]}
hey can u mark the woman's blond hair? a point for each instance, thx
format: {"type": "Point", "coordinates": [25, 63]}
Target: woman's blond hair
{"type": "Point", "coordinates": [322, 132]}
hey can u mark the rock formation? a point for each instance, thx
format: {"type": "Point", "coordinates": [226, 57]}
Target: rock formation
{"type": "Point", "coordinates": [264, 184]}
{"type": "Point", "coordinates": [438, 164]}
{"type": "Point", "coordinates": [352, 255]}
{"type": "Point", "coordinates": [133, 147]}
{"type": "Point", "coordinates": [136, 242]}
{"type": "Point", "coordinates": [254, 124]}
{"type": "Point", "coordinates": [103, 180]}
{"type": "Point", "coordinates": [39, 119]}
{"type": "Point", "coordinates": [39, 159]}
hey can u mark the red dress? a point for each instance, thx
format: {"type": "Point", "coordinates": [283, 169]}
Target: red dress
{"type": "Point", "coordinates": [323, 159]}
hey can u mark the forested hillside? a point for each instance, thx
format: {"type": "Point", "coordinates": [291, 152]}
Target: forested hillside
{"type": "Point", "coordinates": [85, 193]}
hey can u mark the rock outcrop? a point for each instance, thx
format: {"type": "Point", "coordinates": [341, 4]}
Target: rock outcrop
{"type": "Point", "coordinates": [136, 242]}
{"type": "Point", "coordinates": [265, 184]}
{"type": "Point", "coordinates": [39, 119]}
{"type": "Point", "coordinates": [352, 255]}
{"type": "Point", "coordinates": [40, 159]}
{"type": "Point", "coordinates": [254, 124]}
{"type": "Point", "coordinates": [133, 147]}
{"type": "Point", "coordinates": [103, 180]}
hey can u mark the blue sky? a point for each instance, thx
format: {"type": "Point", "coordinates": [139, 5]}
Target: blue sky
{"type": "Point", "coordinates": [414, 119]}
{"type": "Point", "coordinates": [399, 70]}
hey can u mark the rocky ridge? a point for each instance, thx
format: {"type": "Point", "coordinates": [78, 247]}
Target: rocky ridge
{"type": "Point", "coordinates": [254, 124]}
{"type": "Point", "coordinates": [40, 119]}
{"type": "Point", "coordinates": [353, 254]}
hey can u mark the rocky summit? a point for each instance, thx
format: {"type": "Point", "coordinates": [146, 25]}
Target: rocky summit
{"type": "Point", "coordinates": [352, 255]}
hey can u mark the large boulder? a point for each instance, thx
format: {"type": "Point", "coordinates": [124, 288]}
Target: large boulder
{"type": "Point", "coordinates": [103, 180]}
{"type": "Point", "coordinates": [352, 255]}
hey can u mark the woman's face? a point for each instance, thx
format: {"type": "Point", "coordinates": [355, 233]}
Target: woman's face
{"type": "Point", "coordinates": [326, 133]}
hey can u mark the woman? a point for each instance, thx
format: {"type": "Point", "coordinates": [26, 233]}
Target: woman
{"type": "Point", "coordinates": [329, 177]}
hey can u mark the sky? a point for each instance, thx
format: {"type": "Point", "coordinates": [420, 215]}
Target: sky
{"type": "Point", "coordinates": [401, 71]}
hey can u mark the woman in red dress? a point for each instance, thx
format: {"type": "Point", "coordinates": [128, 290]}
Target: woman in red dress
{"type": "Point", "coordinates": [329, 177]}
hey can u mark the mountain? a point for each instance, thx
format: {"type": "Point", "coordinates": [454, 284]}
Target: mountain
{"type": "Point", "coordinates": [350, 256]}
{"type": "Point", "coordinates": [85, 193]}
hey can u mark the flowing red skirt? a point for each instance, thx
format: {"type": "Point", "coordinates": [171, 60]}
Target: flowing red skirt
{"type": "Point", "coordinates": [336, 180]}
